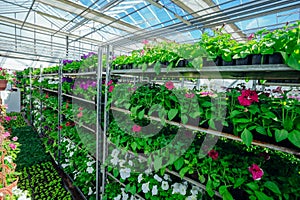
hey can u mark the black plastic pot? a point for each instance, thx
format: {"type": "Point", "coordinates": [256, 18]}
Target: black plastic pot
{"type": "Point", "coordinates": [275, 58]}
{"type": "Point", "coordinates": [258, 59]}
{"type": "Point", "coordinates": [207, 62]}
{"type": "Point", "coordinates": [243, 61]}
{"type": "Point", "coordinates": [228, 63]}
{"type": "Point", "coordinates": [218, 61]}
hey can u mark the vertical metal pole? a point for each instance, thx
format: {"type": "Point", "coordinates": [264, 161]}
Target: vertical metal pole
{"type": "Point", "coordinates": [30, 101]}
{"type": "Point", "coordinates": [67, 46]}
{"type": "Point", "coordinates": [98, 123]}
{"type": "Point", "coordinates": [106, 119]}
{"type": "Point", "coordinates": [59, 96]}
{"type": "Point", "coordinates": [41, 102]}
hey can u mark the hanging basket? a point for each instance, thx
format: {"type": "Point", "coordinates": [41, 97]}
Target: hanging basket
{"type": "Point", "coordinates": [3, 84]}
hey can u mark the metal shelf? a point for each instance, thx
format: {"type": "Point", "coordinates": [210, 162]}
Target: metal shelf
{"type": "Point", "coordinates": [49, 90]}
{"type": "Point", "coordinates": [218, 133]}
{"type": "Point", "coordinates": [80, 74]}
{"type": "Point", "coordinates": [276, 71]}
{"type": "Point", "coordinates": [80, 99]}
{"type": "Point", "coordinates": [85, 127]}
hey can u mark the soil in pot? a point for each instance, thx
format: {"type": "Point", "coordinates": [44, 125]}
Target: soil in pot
{"type": "Point", "coordinates": [258, 59]}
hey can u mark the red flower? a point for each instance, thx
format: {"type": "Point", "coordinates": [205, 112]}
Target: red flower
{"type": "Point", "coordinates": [256, 172]}
{"type": "Point", "coordinates": [68, 124]}
{"type": "Point", "coordinates": [67, 105]}
{"type": "Point", "coordinates": [213, 154]}
{"type": "Point", "coordinates": [111, 88]}
{"type": "Point", "coordinates": [60, 127]}
{"type": "Point", "coordinates": [136, 128]}
{"type": "Point", "coordinates": [47, 96]}
{"type": "Point", "coordinates": [248, 97]}
{"type": "Point", "coordinates": [189, 96]}
{"type": "Point", "coordinates": [80, 108]}
{"type": "Point", "coordinates": [169, 85]}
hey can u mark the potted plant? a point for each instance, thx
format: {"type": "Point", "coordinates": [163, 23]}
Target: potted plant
{"type": "Point", "coordinates": [4, 78]}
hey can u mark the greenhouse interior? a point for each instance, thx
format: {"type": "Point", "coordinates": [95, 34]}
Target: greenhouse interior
{"type": "Point", "coordinates": [150, 99]}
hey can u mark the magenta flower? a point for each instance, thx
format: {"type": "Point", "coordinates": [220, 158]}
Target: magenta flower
{"type": "Point", "coordinates": [15, 138]}
{"type": "Point", "coordinates": [12, 146]}
{"type": "Point", "coordinates": [110, 82]}
{"type": "Point", "coordinates": [142, 52]}
{"type": "Point", "coordinates": [248, 97]}
{"type": "Point", "coordinates": [251, 36]}
{"type": "Point", "coordinates": [14, 117]}
{"type": "Point", "coordinates": [256, 172]}
{"type": "Point", "coordinates": [7, 118]}
{"type": "Point", "coordinates": [136, 128]}
{"type": "Point", "coordinates": [204, 94]}
{"type": "Point", "coordinates": [169, 85]}
{"type": "Point", "coordinates": [213, 154]}
{"type": "Point", "coordinates": [80, 108]}
{"type": "Point", "coordinates": [6, 134]}
{"type": "Point", "coordinates": [189, 96]}
{"type": "Point", "coordinates": [111, 88]}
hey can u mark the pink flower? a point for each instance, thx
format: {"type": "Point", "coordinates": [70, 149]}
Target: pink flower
{"type": "Point", "coordinates": [110, 82]}
{"type": "Point", "coordinates": [142, 52]}
{"type": "Point", "coordinates": [6, 134]}
{"type": "Point", "coordinates": [248, 97]}
{"type": "Point", "coordinates": [47, 96]}
{"type": "Point", "coordinates": [7, 118]}
{"type": "Point", "coordinates": [15, 138]}
{"type": "Point", "coordinates": [145, 42]}
{"type": "Point", "coordinates": [204, 94]}
{"type": "Point", "coordinates": [189, 96]}
{"type": "Point", "coordinates": [251, 36]}
{"type": "Point", "coordinates": [12, 146]}
{"type": "Point", "coordinates": [213, 154]}
{"type": "Point", "coordinates": [169, 85]}
{"type": "Point", "coordinates": [14, 117]}
{"type": "Point", "coordinates": [136, 128]}
{"type": "Point", "coordinates": [111, 88]}
{"type": "Point", "coordinates": [79, 115]}
{"type": "Point", "coordinates": [256, 172]}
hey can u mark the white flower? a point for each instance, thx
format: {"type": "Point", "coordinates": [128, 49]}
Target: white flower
{"type": "Point", "coordinates": [67, 160]}
{"type": "Point", "coordinates": [156, 177]}
{"type": "Point", "coordinates": [125, 173]}
{"type": "Point", "coordinates": [115, 153]}
{"type": "Point", "coordinates": [167, 177]}
{"type": "Point", "coordinates": [121, 163]}
{"type": "Point", "coordinates": [23, 197]}
{"type": "Point", "coordinates": [90, 191]}
{"type": "Point", "coordinates": [64, 165]}
{"type": "Point", "coordinates": [175, 187]}
{"type": "Point", "coordinates": [165, 185]}
{"type": "Point", "coordinates": [114, 161]}
{"type": "Point", "coordinates": [125, 196]}
{"type": "Point", "coordinates": [182, 189]}
{"type": "Point", "coordinates": [140, 178]}
{"type": "Point", "coordinates": [71, 153]}
{"type": "Point", "coordinates": [145, 187]}
{"type": "Point", "coordinates": [8, 158]}
{"type": "Point", "coordinates": [154, 190]}
{"type": "Point", "coordinates": [90, 170]}
{"type": "Point", "coordinates": [118, 197]}
{"type": "Point", "coordinates": [195, 190]}
{"type": "Point", "coordinates": [148, 171]}
{"type": "Point", "coordinates": [193, 197]}
{"type": "Point", "coordinates": [130, 163]}
{"type": "Point", "coordinates": [89, 164]}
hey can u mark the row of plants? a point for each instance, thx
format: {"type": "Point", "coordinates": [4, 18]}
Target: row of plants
{"type": "Point", "coordinates": [75, 145]}
{"type": "Point", "coordinates": [263, 47]}
{"type": "Point", "coordinates": [242, 112]}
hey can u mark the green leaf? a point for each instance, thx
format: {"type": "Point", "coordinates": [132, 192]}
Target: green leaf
{"type": "Point", "coordinates": [224, 193]}
{"type": "Point", "coordinates": [294, 137]}
{"type": "Point", "coordinates": [206, 104]}
{"type": "Point", "coordinates": [144, 67]}
{"type": "Point", "coordinates": [209, 189]}
{"type": "Point", "coordinates": [115, 172]}
{"type": "Point", "coordinates": [172, 113]}
{"type": "Point", "coordinates": [247, 137]}
{"type": "Point", "coordinates": [183, 171]}
{"type": "Point", "coordinates": [184, 119]}
{"type": "Point", "coordinates": [132, 189]}
{"type": "Point", "coordinates": [179, 163]}
{"type": "Point", "coordinates": [133, 146]}
{"type": "Point", "coordinates": [239, 182]}
{"type": "Point", "coordinates": [281, 135]}
{"type": "Point", "coordinates": [234, 113]}
{"type": "Point", "coordinates": [272, 186]}
{"type": "Point", "coordinates": [262, 196]}
{"type": "Point", "coordinates": [211, 124]}
{"type": "Point", "coordinates": [288, 125]}
{"type": "Point", "coordinates": [253, 186]}
{"type": "Point", "coordinates": [141, 114]}
{"type": "Point", "coordinates": [261, 130]}
{"type": "Point", "coordinates": [157, 163]}
{"type": "Point", "coordinates": [157, 68]}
